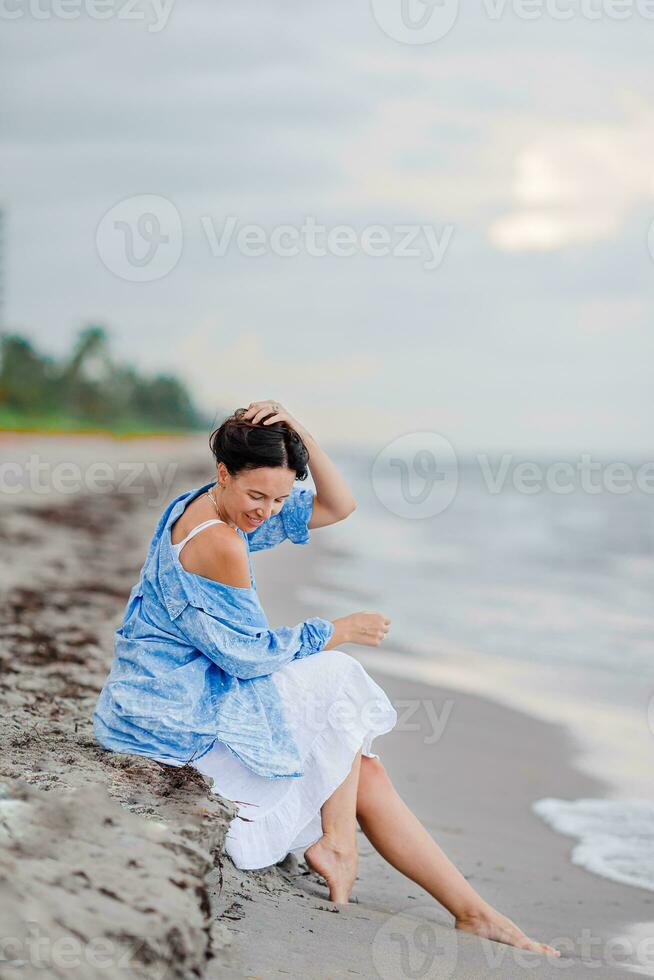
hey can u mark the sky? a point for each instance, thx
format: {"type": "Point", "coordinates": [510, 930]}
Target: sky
{"type": "Point", "coordinates": [449, 208]}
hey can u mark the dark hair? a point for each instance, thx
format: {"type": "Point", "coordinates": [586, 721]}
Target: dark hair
{"type": "Point", "coordinates": [242, 445]}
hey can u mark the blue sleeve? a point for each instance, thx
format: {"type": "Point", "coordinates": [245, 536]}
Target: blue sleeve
{"type": "Point", "coordinates": [291, 522]}
{"type": "Point", "coordinates": [247, 651]}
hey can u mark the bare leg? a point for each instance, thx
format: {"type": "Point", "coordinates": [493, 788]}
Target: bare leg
{"type": "Point", "coordinates": [401, 839]}
{"type": "Point", "coordinates": [334, 855]}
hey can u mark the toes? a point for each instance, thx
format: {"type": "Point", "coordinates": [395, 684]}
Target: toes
{"type": "Point", "coordinates": [541, 948]}
{"type": "Point", "coordinates": [535, 947]}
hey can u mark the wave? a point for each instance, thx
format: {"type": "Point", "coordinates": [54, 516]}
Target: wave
{"type": "Point", "coordinates": [616, 837]}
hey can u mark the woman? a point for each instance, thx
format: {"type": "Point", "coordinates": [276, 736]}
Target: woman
{"type": "Point", "coordinates": [282, 720]}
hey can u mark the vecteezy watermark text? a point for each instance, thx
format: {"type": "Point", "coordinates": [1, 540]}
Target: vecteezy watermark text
{"type": "Point", "coordinates": [40, 951]}
{"type": "Point", "coordinates": [567, 9]}
{"type": "Point", "coordinates": [564, 476]}
{"type": "Point", "coordinates": [43, 477]}
{"type": "Point", "coordinates": [417, 475]}
{"type": "Point", "coordinates": [141, 238]}
{"type": "Point", "coordinates": [402, 241]}
{"type": "Point", "coordinates": [426, 21]}
{"type": "Point", "coordinates": [155, 13]}
{"type": "Point", "coordinates": [419, 715]}
{"type": "Point", "coordinates": [411, 945]}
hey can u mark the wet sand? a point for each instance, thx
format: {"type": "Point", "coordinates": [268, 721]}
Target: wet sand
{"type": "Point", "coordinates": [97, 847]}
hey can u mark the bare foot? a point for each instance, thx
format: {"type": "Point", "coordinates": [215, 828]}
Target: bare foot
{"type": "Point", "coordinates": [490, 924]}
{"type": "Point", "coordinates": [337, 865]}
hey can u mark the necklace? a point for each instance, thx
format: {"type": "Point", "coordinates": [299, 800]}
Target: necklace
{"type": "Point", "coordinates": [213, 501]}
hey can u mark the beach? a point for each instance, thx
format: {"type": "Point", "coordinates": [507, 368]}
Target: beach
{"type": "Point", "coordinates": [102, 848]}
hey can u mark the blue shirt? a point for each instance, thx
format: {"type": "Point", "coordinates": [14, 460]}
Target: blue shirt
{"type": "Point", "coordinates": [193, 658]}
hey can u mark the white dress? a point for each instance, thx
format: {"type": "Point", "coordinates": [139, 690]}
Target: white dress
{"type": "Point", "coordinates": [332, 707]}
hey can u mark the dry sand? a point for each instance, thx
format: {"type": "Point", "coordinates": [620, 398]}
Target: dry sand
{"type": "Point", "coordinates": [112, 865]}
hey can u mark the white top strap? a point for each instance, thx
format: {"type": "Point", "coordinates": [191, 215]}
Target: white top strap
{"type": "Point", "coordinates": [196, 530]}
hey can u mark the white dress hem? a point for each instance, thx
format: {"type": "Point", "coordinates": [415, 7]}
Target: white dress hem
{"type": "Point", "coordinates": [294, 822]}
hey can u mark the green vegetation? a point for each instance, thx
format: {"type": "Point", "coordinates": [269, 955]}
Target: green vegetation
{"type": "Point", "coordinates": [88, 391]}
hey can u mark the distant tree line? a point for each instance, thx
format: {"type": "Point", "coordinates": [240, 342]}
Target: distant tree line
{"type": "Point", "coordinates": [90, 388]}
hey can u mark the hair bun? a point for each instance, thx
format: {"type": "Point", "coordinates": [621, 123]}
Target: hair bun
{"type": "Point", "coordinates": [245, 445]}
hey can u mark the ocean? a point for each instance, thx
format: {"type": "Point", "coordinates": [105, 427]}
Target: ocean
{"type": "Point", "coordinates": [531, 586]}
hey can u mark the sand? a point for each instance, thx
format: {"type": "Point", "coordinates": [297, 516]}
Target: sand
{"type": "Point", "coordinates": [113, 864]}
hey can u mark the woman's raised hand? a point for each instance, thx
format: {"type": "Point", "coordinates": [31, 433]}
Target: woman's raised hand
{"type": "Point", "coordinates": [367, 628]}
{"type": "Point", "coordinates": [269, 411]}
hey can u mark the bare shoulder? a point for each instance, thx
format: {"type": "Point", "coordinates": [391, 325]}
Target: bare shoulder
{"type": "Point", "coordinates": [219, 553]}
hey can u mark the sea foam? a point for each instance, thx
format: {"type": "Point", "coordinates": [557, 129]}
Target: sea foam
{"type": "Point", "coordinates": [616, 837]}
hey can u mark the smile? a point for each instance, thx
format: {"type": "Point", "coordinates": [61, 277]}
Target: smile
{"type": "Point", "coordinates": [253, 523]}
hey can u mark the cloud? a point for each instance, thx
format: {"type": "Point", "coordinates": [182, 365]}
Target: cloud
{"type": "Point", "coordinates": [611, 315]}
{"type": "Point", "coordinates": [247, 368]}
{"type": "Point", "coordinates": [233, 109]}
{"type": "Point", "coordinates": [575, 185]}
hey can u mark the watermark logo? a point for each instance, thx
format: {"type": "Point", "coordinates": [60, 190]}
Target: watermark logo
{"type": "Point", "coordinates": [584, 474]}
{"type": "Point", "coordinates": [43, 477]}
{"type": "Point", "coordinates": [409, 945]}
{"type": "Point", "coordinates": [155, 13]}
{"type": "Point", "coordinates": [416, 475]}
{"type": "Point", "coordinates": [97, 956]}
{"type": "Point", "coordinates": [349, 714]}
{"type": "Point", "coordinates": [401, 241]}
{"type": "Point", "coordinates": [564, 10]}
{"type": "Point", "coordinates": [140, 239]}
{"type": "Point", "coordinates": [426, 21]}
{"type": "Point", "coordinates": [650, 714]}
{"type": "Point", "coordinates": [415, 21]}
{"type": "Point", "coordinates": [650, 237]}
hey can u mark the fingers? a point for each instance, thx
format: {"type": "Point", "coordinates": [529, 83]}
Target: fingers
{"type": "Point", "coordinates": [386, 625]}
{"type": "Point", "coordinates": [256, 411]}
{"type": "Point", "coordinates": [369, 612]}
{"type": "Point", "coordinates": [266, 404]}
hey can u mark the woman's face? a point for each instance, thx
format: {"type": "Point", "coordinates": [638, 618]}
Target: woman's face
{"type": "Point", "coordinates": [252, 496]}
